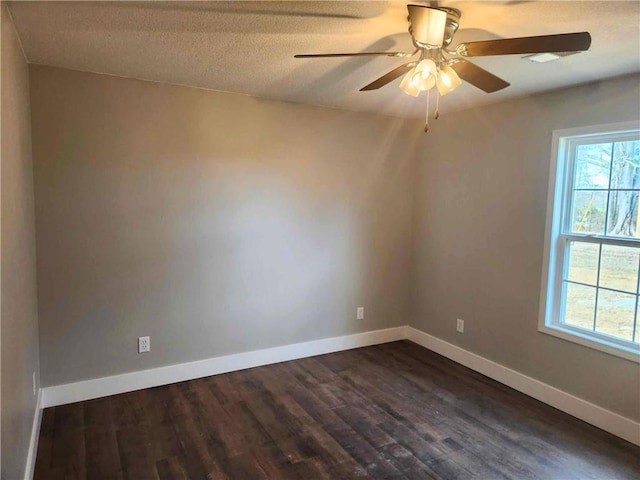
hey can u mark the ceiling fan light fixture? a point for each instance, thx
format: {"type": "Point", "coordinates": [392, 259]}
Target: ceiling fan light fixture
{"type": "Point", "coordinates": [407, 85]}
{"type": "Point", "coordinates": [432, 30]}
{"type": "Point", "coordinates": [448, 80]}
{"type": "Point", "coordinates": [424, 75]}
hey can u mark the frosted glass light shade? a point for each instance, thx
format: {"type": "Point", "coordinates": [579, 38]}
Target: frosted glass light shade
{"type": "Point", "coordinates": [424, 76]}
{"type": "Point", "coordinates": [406, 85]}
{"type": "Point", "coordinates": [448, 80]}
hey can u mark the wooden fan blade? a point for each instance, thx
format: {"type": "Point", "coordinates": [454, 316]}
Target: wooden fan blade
{"type": "Point", "coordinates": [478, 77]}
{"type": "Point", "coordinates": [361, 54]}
{"type": "Point", "coordinates": [389, 77]}
{"type": "Point", "coordinates": [565, 42]}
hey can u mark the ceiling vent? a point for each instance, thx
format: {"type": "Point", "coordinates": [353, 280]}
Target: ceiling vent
{"type": "Point", "coordinates": [548, 57]}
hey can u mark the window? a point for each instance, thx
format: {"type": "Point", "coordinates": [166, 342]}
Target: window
{"type": "Point", "coordinates": [591, 285]}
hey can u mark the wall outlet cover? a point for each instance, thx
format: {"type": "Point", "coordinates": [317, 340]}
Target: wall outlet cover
{"type": "Point", "coordinates": [460, 326]}
{"type": "Point", "coordinates": [360, 313]}
{"type": "Point", "coordinates": [144, 344]}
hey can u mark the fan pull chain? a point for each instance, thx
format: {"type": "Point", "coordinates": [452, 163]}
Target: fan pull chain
{"type": "Point", "coordinates": [437, 114]}
{"type": "Point", "coordinates": [426, 120]}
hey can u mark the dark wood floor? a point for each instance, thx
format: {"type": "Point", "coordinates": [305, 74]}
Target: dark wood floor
{"type": "Point", "coordinates": [389, 411]}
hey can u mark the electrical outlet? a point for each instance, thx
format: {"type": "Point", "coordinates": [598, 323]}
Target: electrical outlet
{"type": "Point", "coordinates": [360, 313]}
{"type": "Point", "coordinates": [33, 376]}
{"type": "Point", "coordinates": [144, 344]}
{"type": "Point", "coordinates": [460, 326]}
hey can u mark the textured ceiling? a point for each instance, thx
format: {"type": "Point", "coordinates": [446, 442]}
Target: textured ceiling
{"type": "Point", "coordinates": [248, 47]}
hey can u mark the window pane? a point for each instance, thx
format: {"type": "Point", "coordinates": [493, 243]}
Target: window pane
{"type": "Point", "coordinates": [626, 165]}
{"type": "Point", "coordinates": [583, 262]}
{"type": "Point", "coordinates": [623, 214]}
{"type": "Point", "coordinates": [623, 203]}
{"type": "Point", "coordinates": [615, 314]}
{"type": "Point", "coordinates": [588, 212]}
{"type": "Point", "coordinates": [593, 163]}
{"type": "Point", "coordinates": [619, 267]}
{"type": "Point", "coordinates": [580, 303]}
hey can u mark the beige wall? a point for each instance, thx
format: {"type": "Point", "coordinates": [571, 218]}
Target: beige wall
{"type": "Point", "coordinates": [19, 321]}
{"type": "Point", "coordinates": [480, 205]}
{"type": "Point", "coordinates": [219, 223]}
{"type": "Point", "coordinates": [215, 223]}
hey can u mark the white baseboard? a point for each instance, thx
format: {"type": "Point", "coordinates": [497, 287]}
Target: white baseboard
{"type": "Point", "coordinates": [600, 417]}
{"type": "Point", "coordinates": [100, 387]}
{"type": "Point", "coordinates": [35, 435]}
{"type": "Point", "coordinates": [127, 382]}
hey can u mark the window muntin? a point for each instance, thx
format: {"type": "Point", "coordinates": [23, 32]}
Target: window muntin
{"type": "Point", "coordinates": [600, 289]}
{"type": "Point", "coordinates": [594, 270]}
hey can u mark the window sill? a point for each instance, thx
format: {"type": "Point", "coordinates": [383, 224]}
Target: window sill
{"type": "Point", "coordinates": [629, 353]}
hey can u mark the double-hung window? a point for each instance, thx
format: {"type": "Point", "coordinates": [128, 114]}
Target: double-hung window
{"type": "Point", "coordinates": [591, 283]}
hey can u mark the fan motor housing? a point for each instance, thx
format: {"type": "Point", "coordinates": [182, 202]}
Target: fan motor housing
{"type": "Point", "coordinates": [453, 21]}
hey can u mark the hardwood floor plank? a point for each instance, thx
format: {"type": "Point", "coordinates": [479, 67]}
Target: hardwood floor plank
{"type": "Point", "coordinates": [392, 411]}
{"type": "Point", "coordinates": [361, 451]}
{"type": "Point", "coordinates": [68, 449]}
{"type": "Point", "coordinates": [203, 454]}
{"type": "Point", "coordinates": [365, 427]}
{"type": "Point", "coordinates": [502, 418]}
{"type": "Point", "coordinates": [170, 469]}
{"type": "Point", "coordinates": [101, 444]}
{"type": "Point", "coordinates": [134, 447]}
{"type": "Point", "coordinates": [45, 444]}
{"type": "Point", "coordinates": [410, 466]}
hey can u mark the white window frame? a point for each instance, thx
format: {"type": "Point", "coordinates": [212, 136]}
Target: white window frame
{"type": "Point", "coordinates": [560, 182]}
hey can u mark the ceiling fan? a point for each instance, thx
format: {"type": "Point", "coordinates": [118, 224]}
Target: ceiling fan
{"type": "Point", "coordinates": [432, 30]}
